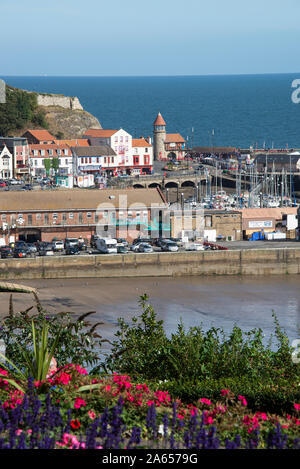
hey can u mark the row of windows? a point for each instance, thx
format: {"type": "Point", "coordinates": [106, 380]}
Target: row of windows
{"type": "Point", "coordinates": [60, 160]}
{"type": "Point", "coordinates": [50, 152]}
{"type": "Point", "coordinates": [46, 217]}
{"type": "Point", "coordinates": [121, 139]}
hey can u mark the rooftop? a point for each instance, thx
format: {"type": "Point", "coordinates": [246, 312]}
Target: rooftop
{"type": "Point", "coordinates": [95, 150]}
{"type": "Point", "coordinates": [79, 199]}
{"type": "Point", "coordinates": [100, 133]}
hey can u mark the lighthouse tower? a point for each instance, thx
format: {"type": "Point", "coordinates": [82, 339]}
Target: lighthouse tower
{"type": "Point", "coordinates": [159, 137]}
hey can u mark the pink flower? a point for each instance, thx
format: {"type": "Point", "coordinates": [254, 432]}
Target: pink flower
{"type": "Point", "coordinates": [205, 401]}
{"type": "Point", "coordinates": [79, 403]}
{"type": "Point", "coordinates": [91, 414]}
{"type": "Point", "coordinates": [107, 387]}
{"type": "Point", "coordinates": [297, 406]}
{"type": "Point", "coordinates": [224, 392]}
{"type": "Point", "coordinates": [243, 400]}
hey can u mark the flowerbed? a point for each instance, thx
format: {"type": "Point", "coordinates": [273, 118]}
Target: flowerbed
{"type": "Point", "coordinates": [73, 410]}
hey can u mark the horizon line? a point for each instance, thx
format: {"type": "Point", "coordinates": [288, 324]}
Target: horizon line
{"type": "Point", "coordinates": [45, 75]}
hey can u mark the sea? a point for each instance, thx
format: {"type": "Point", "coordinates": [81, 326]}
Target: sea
{"type": "Point", "coordinates": [218, 110]}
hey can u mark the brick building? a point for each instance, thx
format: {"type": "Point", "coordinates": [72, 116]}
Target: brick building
{"type": "Point", "coordinates": [44, 215]}
{"type": "Point", "coordinates": [207, 224]}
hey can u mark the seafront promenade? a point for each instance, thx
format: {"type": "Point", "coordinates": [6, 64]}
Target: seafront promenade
{"type": "Point", "coordinates": [261, 261]}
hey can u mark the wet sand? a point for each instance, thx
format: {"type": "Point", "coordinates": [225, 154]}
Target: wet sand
{"type": "Point", "coordinates": [207, 301]}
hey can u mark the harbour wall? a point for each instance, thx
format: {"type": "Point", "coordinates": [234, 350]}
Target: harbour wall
{"type": "Point", "coordinates": [235, 262]}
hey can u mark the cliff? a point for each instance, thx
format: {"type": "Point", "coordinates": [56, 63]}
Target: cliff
{"type": "Point", "coordinates": [63, 116]}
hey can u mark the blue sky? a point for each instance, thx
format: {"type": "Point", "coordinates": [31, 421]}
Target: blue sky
{"type": "Point", "coordinates": [158, 37]}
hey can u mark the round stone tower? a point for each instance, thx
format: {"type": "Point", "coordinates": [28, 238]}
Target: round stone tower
{"type": "Point", "coordinates": [159, 137]}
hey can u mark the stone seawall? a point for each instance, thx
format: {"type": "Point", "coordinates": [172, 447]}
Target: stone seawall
{"type": "Point", "coordinates": [237, 262]}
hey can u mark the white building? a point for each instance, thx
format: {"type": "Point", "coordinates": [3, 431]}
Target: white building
{"type": "Point", "coordinates": [61, 153]}
{"type": "Point", "coordinates": [6, 163]}
{"type": "Point", "coordinates": [125, 149]}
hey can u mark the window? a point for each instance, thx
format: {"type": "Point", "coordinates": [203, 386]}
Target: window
{"type": "Point", "coordinates": [66, 161]}
{"type": "Point", "coordinates": [3, 217]}
{"type": "Point", "coordinates": [55, 216]}
{"type": "Point", "coordinates": [64, 217]}
{"type": "Point", "coordinates": [146, 150]}
{"type": "Point", "coordinates": [50, 152]}
{"type": "Point", "coordinates": [35, 153]}
{"type": "Point", "coordinates": [29, 219]}
{"type": "Point", "coordinates": [42, 152]}
{"type": "Point", "coordinates": [89, 214]}
{"type": "Point", "coordinates": [46, 218]}
{"type": "Point", "coordinates": [208, 221]}
{"type": "Point", "coordinates": [126, 139]}
{"type": "Point", "coordinates": [121, 139]}
{"type": "Point", "coordinates": [116, 139]}
{"type": "Point", "coordinates": [96, 218]}
{"type": "Point", "coordinates": [59, 152]}
{"type": "Point", "coordinates": [35, 162]}
{"type": "Point", "coordinates": [146, 159]}
{"type": "Point", "coordinates": [38, 216]}
{"type": "Point", "coordinates": [80, 218]}
{"type": "Point", "coordinates": [66, 152]}
{"type": "Point", "coordinates": [136, 160]}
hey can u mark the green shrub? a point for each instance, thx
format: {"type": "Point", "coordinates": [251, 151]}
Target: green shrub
{"type": "Point", "coordinates": [78, 340]}
{"type": "Point", "coordinates": [143, 349]}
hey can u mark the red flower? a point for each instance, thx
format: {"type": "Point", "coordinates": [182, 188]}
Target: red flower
{"type": "Point", "coordinates": [75, 424]}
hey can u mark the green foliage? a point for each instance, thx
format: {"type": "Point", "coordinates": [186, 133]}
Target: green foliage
{"type": "Point", "coordinates": [277, 397]}
{"type": "Point", "coordinates": [19, 110]}
{"type": "Point", "coordinates": [78, 341]}
{"type": "Point", "coordinates": [37, 363]}
{"type": "Point", "coordinates": [143, 349]}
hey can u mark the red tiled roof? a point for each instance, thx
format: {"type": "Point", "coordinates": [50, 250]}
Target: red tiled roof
{"type": "Point", "coordinates": [40, 135]}
{"type": "Point", "coordinates": [140, 142]}
{"type": "Point", "coordinates": [174, 138]}
{"type": "Point", "coordinates": [99, 132]}
{"type": "Point", "coordinates": [80, 142]}
{"type": "Point", "coordinates": [159, 120]}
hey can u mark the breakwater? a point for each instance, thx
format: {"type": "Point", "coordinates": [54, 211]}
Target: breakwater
{"type": "Point", "coordinates": [235, 262]}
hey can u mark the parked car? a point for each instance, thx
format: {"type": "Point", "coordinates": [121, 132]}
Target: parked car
{"type": "Point", "coordinates": [46, 249]}
{"type": "Point", "coordinates": [145, 247]}
{"type": "Point", "coordinates": [31, 247]}
{"type": "Point", "coordinates": [20, 252]}
{"type": "Point", "coordinates": [6, 251]}
{"type": "Point", "coordinates": [122, 241]}
{"type": "Point", "coordinates": [2, 184]}
{"type": "Point", "coordinates": [58, 246]}
{"type": "Point", "coordinates": [168, 245]}
{"type": "Point", "coordinates": [27, 187]}
{"type": "Point", "coordinates": [194, 247]}
{"type": "Point", "coordinates": [72, 250]}
{"type": "Point", "coordinates": [93, 241]}
{"type": "Point", "coordinates": [71, 242]}
{"type": "Point", "coordinates": [121, 249]}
